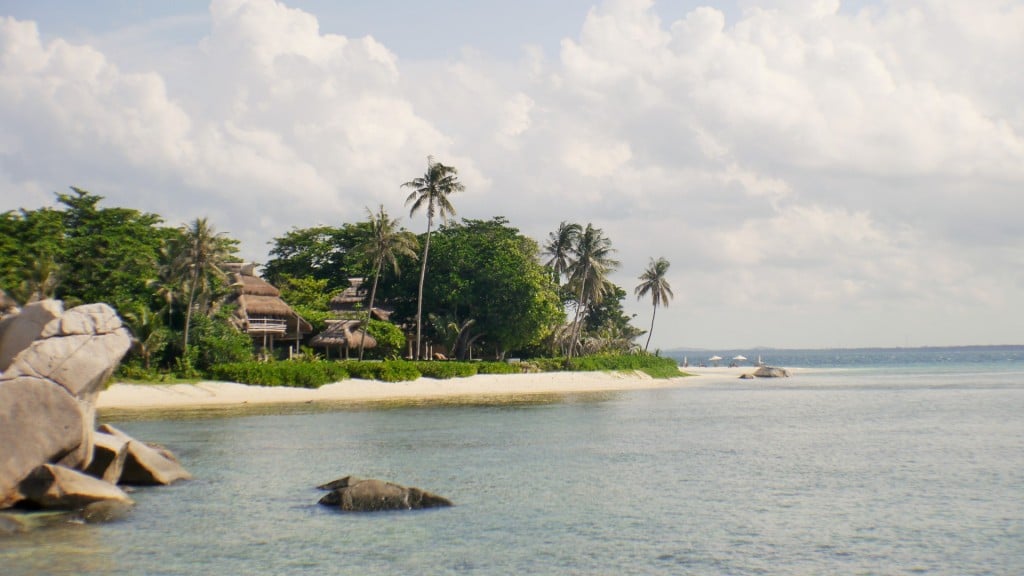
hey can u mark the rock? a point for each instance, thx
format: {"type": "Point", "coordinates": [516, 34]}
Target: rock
{"type": "Point", "coordinates": [82, 363]}
{"type": "Point", "coordinates": [51, 486]}
{"type": "Point", "coordinates": [747, 376]}
{"type": "Point", "coordinates": [145, 465]}
{"type": "Point", "coordinates": [106, 511]}
{"type": "Point", "coordinates": [771, 372]}
{"type": "Point", "coordinates": [39, 423]}
{"type": "Point", "coordinates": [108, 457]}
{"type": "Point", "coordinates": [340, 483]}
{"type": "Point", "coordinates": [11, 523]}
{"type": "Point", "coordinates": [370, 495]}
{"type": "Point", "coordinates": [19, 331]}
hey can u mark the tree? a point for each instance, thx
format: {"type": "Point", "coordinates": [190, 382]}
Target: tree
{"type": "Point", "coordinates": [560, 246]}
{"type": "Point", "coordinates": [654, 282]}
{"type": "Point", "coordinates": [592, 262]}
{"type": "Point", "coordinates": [385, 244]}
{"type": "Point", "coordinates": [321, 252]}
{"type": "Point", "coordinates": [431, 192]}
{"type": "Point", "coordinates": [108, 254]}
{"type": "Point", "coordinates": [200, 252]}
{"type": "Point", "coordinates": [489, 289]}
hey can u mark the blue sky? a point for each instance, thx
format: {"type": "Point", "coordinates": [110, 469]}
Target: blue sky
{"type": "Point", "coordinates": [819, 173]}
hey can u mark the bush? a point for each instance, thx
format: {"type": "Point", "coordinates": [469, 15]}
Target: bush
{"type": "Point", "coordinates": [498, 368]}
{"type": "Point", "coordinates": [299, 374]}
{"type": "Point", "coordinates": [654, 366]}
{"type": "Point", "coordinates": [387, 371]}
{"type": "Point", "coordinates": [446, 370]}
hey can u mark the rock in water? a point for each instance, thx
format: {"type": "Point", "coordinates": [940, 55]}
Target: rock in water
{"type": "Point", "coordinates": [108, 457]}
{"type": "Point", "coordinates": [352, 494]}
{"type": "Point", "coordinates": [39, 423]}
{"type": "Point", "coordinates": [51, 486]}
{"type": "Point", "coordinates": [771, 372]}
{"type": "Point", "coordinates": [145, 465]}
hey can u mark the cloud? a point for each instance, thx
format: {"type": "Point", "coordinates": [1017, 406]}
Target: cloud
{"type": "Point", "coordinates": [794, 160]}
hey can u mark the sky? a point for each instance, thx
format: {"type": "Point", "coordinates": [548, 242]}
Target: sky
{"type": "Point", "coordinates": [819, 173]}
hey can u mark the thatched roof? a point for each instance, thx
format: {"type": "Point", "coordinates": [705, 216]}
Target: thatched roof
{"type": "Point", "coordinates": [254, 285]}
{"type": "Point", "coordinates": [343, 333]}
{"type": "Point", "coordinates": [256, 297]}
{"type": "Point", "coordinates": [351, 296]}
{"type": "Point", "coordinates": [264, 306]}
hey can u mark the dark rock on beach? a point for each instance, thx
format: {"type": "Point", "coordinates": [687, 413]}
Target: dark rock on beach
{"type": "Point", "coordinates": [353, 494]}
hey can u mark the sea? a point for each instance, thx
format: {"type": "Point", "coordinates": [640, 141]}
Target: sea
{"type": "Point", "coordinates": [881, 461]}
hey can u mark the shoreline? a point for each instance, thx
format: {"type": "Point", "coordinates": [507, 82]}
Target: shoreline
{"type": "Point", "coordinates": [209, 394]}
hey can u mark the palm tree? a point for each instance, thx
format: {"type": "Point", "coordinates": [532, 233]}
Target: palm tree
{"type": "Point", "coordinates": [654, 282]}
{"type": "Point", "coordinates": [431, 191]}
{"type": "Point", "coordinates": [592, 262]}
{"type": "Point", "coordinates": [198, 259]}
{"type": "Point", "coordinates": [385, 244]}
{"type": "Point", "coordinates": [560, 246]}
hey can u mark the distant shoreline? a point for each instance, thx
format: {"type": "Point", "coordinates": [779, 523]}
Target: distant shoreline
{"type": "Point", "coordinates": [205, 394]}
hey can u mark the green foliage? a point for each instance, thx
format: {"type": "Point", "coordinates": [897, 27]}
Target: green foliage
{"type": "Point", "coordinates": [319, 253]}
{"type": "Point", "coordinates": [487, 272]}
{"type": "Point", "coordinates": [390, 339]}
{"type": "Point", "coordinates": [498, 368]}
{"type": "Point", "coordinates": [217, 342]}
{"type": "Point", "coordinates": [386, 371]}
{"type": "Point", "coordinates": [445, 370]}
{"type": "Point", "coordinates": [654, 366]}
{"type": "Point", "coordinates": [292, 373]}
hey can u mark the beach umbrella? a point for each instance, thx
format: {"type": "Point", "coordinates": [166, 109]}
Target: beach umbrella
{"type": "Point", "coordinates": [715, 359]}
{"type": "Point", "coordinates": [739, 358]}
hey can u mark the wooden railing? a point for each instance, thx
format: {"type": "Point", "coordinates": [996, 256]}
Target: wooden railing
{"type": "Point", "coordinates": [267, 325]}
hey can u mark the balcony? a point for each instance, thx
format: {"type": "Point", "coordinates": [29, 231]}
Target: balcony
{"type": "Point", "coordinates": [267, 325]}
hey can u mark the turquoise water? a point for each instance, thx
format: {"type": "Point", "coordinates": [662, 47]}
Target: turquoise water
{"type": "Point", "coordinates": [873, 470]}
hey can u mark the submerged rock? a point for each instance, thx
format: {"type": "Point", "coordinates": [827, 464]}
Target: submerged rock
{"type": "Point", "coordinates": [353, 494]}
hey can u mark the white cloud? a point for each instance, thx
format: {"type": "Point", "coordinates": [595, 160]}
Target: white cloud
{"type": "Point", "coordinates": [796, 160]}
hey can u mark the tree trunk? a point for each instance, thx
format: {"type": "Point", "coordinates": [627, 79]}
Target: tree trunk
{"type": "Point", "coordinates": [369, 310]}
{"type": "Point", "coordinates": [651, 331]}
{"type": "Point", "coordinates": [419, 299]}
{"type": "Point", "coordinates": [576, 317]}
{"type": "Point", "coordinates": [188, 313]}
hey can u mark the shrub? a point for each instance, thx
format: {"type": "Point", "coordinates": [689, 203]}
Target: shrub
{"type": "Point", "coordinates": [445, 370]}
{"type": "Point", "coordinates": [386, 371]}
{"type": "Point", "coordinates": [299, 374]}
{"type": "Point", "coordinates": [498, 368]}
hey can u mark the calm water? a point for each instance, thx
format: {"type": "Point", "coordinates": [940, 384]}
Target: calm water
{"type": "Point", "coordinates": [882, 469]}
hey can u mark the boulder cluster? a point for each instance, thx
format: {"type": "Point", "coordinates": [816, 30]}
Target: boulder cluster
{"type": "Point", "coordinates": [53, 365]}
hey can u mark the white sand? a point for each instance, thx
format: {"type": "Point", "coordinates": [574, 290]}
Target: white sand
{"type": "Point", "coordinates": [225, 394]}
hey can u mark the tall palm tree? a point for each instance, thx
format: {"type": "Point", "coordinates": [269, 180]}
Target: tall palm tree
{"type": "Point", "coordinates": [592, 262]}
{"type": "Point", "coordinates": [200, 254]}
{"type": "Point", "coordinates": [559, 247]}
{"type": "Point", "coordinates": [431, 191]}
{"type": "Point", "coordinates": [654, 282]}
{"type": "Point", "coordinates": [385, 244]}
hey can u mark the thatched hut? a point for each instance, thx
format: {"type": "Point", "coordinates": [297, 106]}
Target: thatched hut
{"type": "Point", "coordinates": [345, 335]}
{"type": "Point", "coordinates": [261, 313]}
{"type": "Point", "coordinates": [351, 302]}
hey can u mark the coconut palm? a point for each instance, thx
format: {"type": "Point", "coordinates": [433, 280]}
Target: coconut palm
{"type": "Point", "coordinates": [654, 282]}
{"type": "Point", "coordinates": [198, 258]}
{"type": "Point", "coordinates": [592, 262]}
{"type": "Point", "coordinates": [560, 246]}
{"type": "Point", "coordinates": [385, 244]}
{"type": "Point", "coordinates": [431, 191]}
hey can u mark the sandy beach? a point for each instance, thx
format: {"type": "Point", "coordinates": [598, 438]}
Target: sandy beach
{"type": "Point", "coordinates": [227, 394]}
